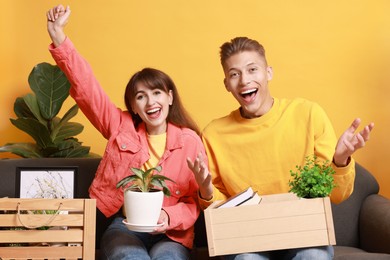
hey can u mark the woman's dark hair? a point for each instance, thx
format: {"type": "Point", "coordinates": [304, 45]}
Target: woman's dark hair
{"type": "Point", "coordinates": [156, 79]}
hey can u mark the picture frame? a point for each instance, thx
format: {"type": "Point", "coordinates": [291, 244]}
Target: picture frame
{"type": "Point", "coordinates": [46, 182]}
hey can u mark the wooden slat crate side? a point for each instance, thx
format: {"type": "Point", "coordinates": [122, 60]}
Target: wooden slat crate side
{"type": "Point", "coordinates": [89, 229]}
{"type": "Point", "coordinates": [41, 204]}
{"type": "Point", "coordinates": [270, 242]}
{"type": "Point", "coordinates": [263, 227]}
{"type": "Point", "coordinates": [11, 220]}
{"type": "Point", "coordinates": [279, 197]}
{"type": "Point", "coordinates": [280, 221]}
{"type": "Point", "coordinates": [81, 222]}
{"type": "Point", "coordinates": [209, 230]}
{"type": "Point", "coordinates": [43, 252]}
{"type": "Point", "coordinates": [41, 236]}
{"type": "Point", "coordinates": [329, 221]}
{"type": "Point", "coordinates": [272, 210]}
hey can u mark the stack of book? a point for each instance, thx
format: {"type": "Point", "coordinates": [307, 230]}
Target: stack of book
{"type": "Point", "coordinates": [246, 197]}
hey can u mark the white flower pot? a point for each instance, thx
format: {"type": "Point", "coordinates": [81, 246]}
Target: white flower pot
{"type": "Point", "coordinates": [143, 208]}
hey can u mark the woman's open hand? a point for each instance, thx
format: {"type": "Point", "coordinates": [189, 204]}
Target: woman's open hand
{"type": "Point", "coordinates": [202, 176]}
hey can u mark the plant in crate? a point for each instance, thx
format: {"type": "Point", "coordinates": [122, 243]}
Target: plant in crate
{"type": "Point", "coordinates": [143, 195]}
{"type": "Point", "coordinates": [313, 179]}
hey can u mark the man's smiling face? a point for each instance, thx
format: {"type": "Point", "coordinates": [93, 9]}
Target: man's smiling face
{"type": "Point", "coordinates": [246, 77]}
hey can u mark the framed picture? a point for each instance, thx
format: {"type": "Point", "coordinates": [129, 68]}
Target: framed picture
{"type": "Point", "coordinates": [46, 182]}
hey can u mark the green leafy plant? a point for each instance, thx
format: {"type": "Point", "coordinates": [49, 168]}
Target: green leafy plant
{"type": "Point", "coordinates": [145, 181]}
{"type": "Point", "coordinates": [37, 116]}
{"type": "Point", "coordinates": [312, 180]}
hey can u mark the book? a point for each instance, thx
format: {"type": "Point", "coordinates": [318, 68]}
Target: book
{"type": "Point", "coordinates": [237, 199]}
{"type": "Point", "coordinates": [252, 201]}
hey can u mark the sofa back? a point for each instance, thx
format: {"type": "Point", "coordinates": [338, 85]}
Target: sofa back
{"type": "Point", "coordinates": [86, 172]}
{"type": "Point", "coordinates": [346, 214]}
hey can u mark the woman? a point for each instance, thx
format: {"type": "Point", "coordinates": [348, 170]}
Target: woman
{"type": "Point", "coordinates": [155, 130]}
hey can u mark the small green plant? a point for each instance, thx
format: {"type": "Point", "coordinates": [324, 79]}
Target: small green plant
{"type": "Point", "coordinates": [313, 180]}
{"type": "Point", "coordinates": [145, 181]}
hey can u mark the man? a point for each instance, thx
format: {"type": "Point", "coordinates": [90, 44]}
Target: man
{"type": "Point", "coordinates": [258, 144]}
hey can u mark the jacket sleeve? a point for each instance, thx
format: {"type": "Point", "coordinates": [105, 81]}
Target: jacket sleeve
{"type": "Point", "coordinates": [86, 90]}
{"type": "Point", "coordinates": [325, 144]}
{"type": "Point", "coordinates": [184, 213]}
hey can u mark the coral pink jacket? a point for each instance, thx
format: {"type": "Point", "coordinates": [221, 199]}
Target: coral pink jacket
{"type": "Point", "coordinates": [127, 147]}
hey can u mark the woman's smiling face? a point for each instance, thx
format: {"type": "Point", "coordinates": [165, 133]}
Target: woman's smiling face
{"type": "Point", "coordinates": [246, 77]}
{"type": "Point", "coordinates": [152, 105]}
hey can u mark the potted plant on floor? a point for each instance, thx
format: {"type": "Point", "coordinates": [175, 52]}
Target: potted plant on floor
{"type": "Point", "coordinates": [37, 116]}
{"type": "Point", "coordinates": [54, 144]}
{"type": "Point", "coordinates": [312, 180]}
{"type": "Point", "coordinates": [143, 197]}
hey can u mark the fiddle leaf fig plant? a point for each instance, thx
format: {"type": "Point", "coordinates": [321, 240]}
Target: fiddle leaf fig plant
{"type": "Point", "coordinates": [145, 181]}
{"type": "Point", "coordinates": [313, 179]}
{"type": "Point", "coordinates": [37, 116]}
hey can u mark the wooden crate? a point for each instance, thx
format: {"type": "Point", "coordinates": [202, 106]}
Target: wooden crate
{"type": "Point", "coordinates": [280, 221]}
{"type": "Point", "coordinates": [77, 241]}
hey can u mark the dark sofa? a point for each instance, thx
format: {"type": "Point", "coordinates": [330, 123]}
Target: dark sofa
{"type": "Point", "coordinates": [362, 223]}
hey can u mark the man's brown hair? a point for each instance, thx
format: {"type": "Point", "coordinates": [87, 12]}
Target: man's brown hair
{"type": "Point", "coordinates": [240, 44]}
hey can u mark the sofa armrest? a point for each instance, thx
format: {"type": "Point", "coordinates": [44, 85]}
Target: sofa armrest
{"type": "Point", "coordinates": [374, 224]}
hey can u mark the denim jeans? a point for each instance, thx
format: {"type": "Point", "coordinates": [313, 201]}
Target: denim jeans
{"type": "Point", "coordinates": [309, 253]}
{"type": "Point", "coordinates": [119, 243]}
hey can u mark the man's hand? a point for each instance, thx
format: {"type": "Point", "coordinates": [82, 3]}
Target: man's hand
{"type": "Point", "coordinates": [350, 141]}
{"type": "Point", "coordinates": [202, 176]}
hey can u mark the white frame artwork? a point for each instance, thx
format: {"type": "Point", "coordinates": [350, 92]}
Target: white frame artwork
{"type": "Point", "coordinates": [46, 182]}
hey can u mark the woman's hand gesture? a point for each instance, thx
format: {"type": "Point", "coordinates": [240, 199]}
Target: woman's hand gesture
{"type": "Point", "coordinates": [202, 176]}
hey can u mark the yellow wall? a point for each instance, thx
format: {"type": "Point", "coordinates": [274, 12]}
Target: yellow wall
{"type": "Point", "coordinates": [334, 52]}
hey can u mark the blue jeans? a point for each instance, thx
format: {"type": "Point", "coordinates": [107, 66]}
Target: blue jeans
{"type": "Point", "coordinates": [309, 253]}
{"type": "Point", "coordinates": [119, 243]}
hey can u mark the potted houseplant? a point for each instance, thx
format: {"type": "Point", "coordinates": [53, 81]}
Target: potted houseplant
{"type": "Point", "coordinates": [143, 196]}
{"type": "Point", "coordinates": [37, 116]}
{"type": "Point", "coordinates": [313, 179]}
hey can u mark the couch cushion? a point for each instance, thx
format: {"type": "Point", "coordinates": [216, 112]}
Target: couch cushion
{"type": "Point", "coordinates": [351, 253]}
{"type": "Point", "coordinates": [375, 224]}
